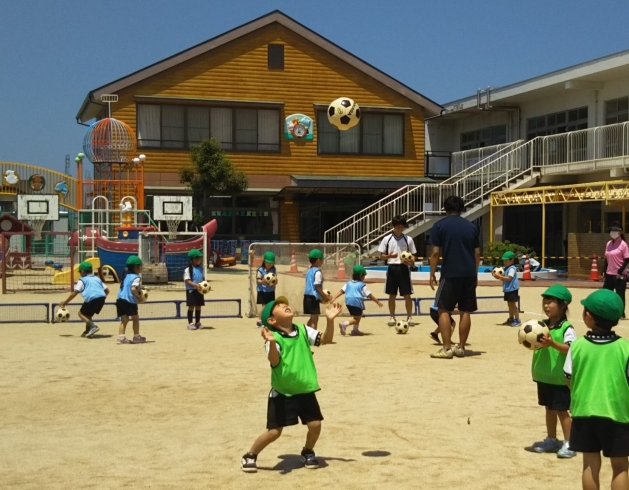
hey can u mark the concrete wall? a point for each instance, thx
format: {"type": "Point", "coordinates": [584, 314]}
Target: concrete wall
{"type": "Point", "coordinates": [585, 245]}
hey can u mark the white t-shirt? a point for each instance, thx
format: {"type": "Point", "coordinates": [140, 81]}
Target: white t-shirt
{"type": "Point", "coordinates": [318, 279]}
{"type": "Point", "coordinates": [597, 338]}
{"type": "Point", "coordinates": [314, 339]}
{"type": "Point", "coordinates": [391, 244]}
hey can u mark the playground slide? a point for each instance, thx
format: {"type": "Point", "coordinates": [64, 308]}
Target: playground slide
{"type": "Point", "coordinates": [64, 277]}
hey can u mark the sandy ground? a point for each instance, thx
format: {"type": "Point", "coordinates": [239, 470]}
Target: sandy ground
{"type": "Point", "coordinates": [179, 411]}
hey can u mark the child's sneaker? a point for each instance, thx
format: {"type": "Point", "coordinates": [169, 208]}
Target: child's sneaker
{"type": "Point", "coordinates": [516, 322]}
{"type": "Point", "coordinates": [123, 340]}
{"type": "Point", "coordinates": [309, 459]}
{"type": "Point", "coordinates": [435, 336]}
{"type": "Point", "coordinates": [410, 322]}
{"type": "Point", "coordinates": [92, 331]}
{"type": "Point", "coordinates": [192, 326]}
{"type": "Point", "coordinates": [343, 327]}
{"type": "Point", "coordinates": [392, 321]}
{"type": "Point", "coordinates": [259, 324]}
{"type": "Point", "coordinates": [199, 326]}
{"type": "Point", "coordinates": [248, 463]}
{"type": "Point", "coordinates": [508, 321]}
{"type": "Point", "coordinates": [138, 339]}
{"type": "Point", "coordinates": [548, 445]}
{"type": "Point", "coordinates": [84, 334]}
{"type": "Point", "coordinates": [357, 333]}
{"type": "Point", "coordinates": [565, 452]}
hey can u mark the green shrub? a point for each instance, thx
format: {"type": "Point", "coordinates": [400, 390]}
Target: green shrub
{"type": "Point", "coordinates": [492, 251]}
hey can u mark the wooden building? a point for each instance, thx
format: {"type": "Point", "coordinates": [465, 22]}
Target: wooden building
{"type": "Point", "coordinates": [240, 88]}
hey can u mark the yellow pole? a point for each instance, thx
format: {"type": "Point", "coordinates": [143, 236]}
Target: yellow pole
{"type": "Point", "coordinates": [543, 230]}
{"type": "Point", "coordinates": [491, 219]}
{"type": "Point", "coordinates": [624, 211]}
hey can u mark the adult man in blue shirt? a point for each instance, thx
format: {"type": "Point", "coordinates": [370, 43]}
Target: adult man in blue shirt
{"type": "Point", "coordinates": [457, 241]}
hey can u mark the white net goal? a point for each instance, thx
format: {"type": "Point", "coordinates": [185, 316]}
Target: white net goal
{"type": "Point", "coordinates": [291, 262]}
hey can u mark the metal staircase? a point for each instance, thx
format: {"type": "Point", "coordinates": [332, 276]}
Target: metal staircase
{"type": "Point", "coordinates": [515, 166]}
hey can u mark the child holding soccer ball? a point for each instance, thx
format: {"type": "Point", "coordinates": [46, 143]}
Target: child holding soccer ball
{"type": "Point", "coordinates": [94, 293]}
{"type": "Point", "coordinates": [510, 287]}
{"type": "Point", "coordinates": [552, 390]}
{"type": "Point", "coordinates": [596, 368]}
{"type": "Point", "coordinates": [266, 291]}
{"type": "Point", "coordinates": [128, 298]}
{"type": "Point", "coordinates": [355, 292]}
{"type": "Point", "coordinates": [192, 277]}
{"type": "Point", "coordinates": [314, 292]}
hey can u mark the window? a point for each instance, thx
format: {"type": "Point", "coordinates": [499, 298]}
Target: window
{"type": "Point", "coordinates": [558, 122]}
{"type": "Point", "coordinates": [481, 138]}
{"type": "Point", "coordinates": [240, 129]}
{"type": "Point", "coordinates": [377, 134]}
{"type": "Point", "coordinates": [617, 111]}
{"type": "Point", "coordinates": [275, 59]}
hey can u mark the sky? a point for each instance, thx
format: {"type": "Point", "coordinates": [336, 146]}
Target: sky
{"type": "Point", "coordinates": [52, 53]}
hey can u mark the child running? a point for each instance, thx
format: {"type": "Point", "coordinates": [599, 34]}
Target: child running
{"type": "Point", "coordinates": [510, 287]}
{"type": "Point", "coordinates": [293, 379]}
{"type": "Point", "coordinates": [266, 292]}
{"type": "Point", "coordinates": [128, 299]}
{"type": "Point", "coordinates": [355, 292]}
{"type": "Point", "coordinates": [94, 293]}
{"type": "Point", "coordinates": [552, 391]}
{"type": "Point", "coordinates": [596, 368]}
{"type": "Point", "coordinates": [314, 294]}
{"type": "Point", "coordinates": [192, 276]}
{"type": "Point", "coordinates": [434, 314]}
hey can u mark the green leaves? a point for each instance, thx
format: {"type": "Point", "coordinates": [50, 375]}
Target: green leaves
{"type": "Point", "coordinates": [493, 251]}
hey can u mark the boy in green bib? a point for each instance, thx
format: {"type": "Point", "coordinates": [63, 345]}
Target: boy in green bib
{"type": "Point", "coordinates": [293, 378]}
{"type": "Point", "coordinates": [597, 371]}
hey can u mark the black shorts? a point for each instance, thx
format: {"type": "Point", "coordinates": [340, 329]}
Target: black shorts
{"type": "Point", "coordinates": [398, 279]}
{"type": "Point", "coordinates": [595, 434]}
{"type": "Point", "coordinates": [553, 397]}
{"type": "Point", "coordinates": [123, 307]}
{"type": "Point", "coordinates": [455, 291]}
{"type": "Point", "coordinates": [311, 305]}
{"type": "Point", "coordinates": [265, 298]}
{"type": "Point", "coordinates": [354, 310]}
{"type": "Point", "coordinates": [194, 298]}
{"type": "Point", "coordinates": [434, 314]}
{"type": "Point", "coordinates": [512, 296]}
{"type": "Point", "coordinates": [283, 410]}
{"type": "Point", "coordinates": [93, 307]}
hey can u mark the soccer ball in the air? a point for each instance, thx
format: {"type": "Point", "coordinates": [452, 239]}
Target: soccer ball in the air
{"type": "Point", "coordinates": [270, 279]}
{"type": "Point", "coordinates": [401, 327]}
{"type": "Point", "coordinates": [531, 333]}
{"type": "Point", "coordinates": [62, 315]}
{"type": "Point", "coordinates": [329, 295]}
{"type": "Point", "coordinates": [343, 113]}
{"type": "Point", "coordinates": [205, 287]}
{"type": "Point", "coordinates": [500, 271]}
{"type": "Point", "coordinates": [406, 256]}
{"type": "Point", "coordinates": [144, 293]}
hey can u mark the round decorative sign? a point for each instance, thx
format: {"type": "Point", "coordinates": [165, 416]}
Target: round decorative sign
{"type": "Point", "coordinates": [10, 178]}
{"type": "Point", "coordinates": [36, 182]}
{"type": "Point", "coordinates": [299, 130]}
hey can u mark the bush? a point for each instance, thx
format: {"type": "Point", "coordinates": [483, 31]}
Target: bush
{"type": "Point", "coordinates": [492, 251]}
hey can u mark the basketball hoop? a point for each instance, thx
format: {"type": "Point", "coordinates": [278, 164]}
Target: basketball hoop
{"type": "Point", "coordinates": [173, 225]}
{"type": "Point", "coordinates": [38, 226]}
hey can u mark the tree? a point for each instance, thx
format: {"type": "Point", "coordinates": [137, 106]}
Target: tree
{"type": "Point", "coordinates": [211, 173]}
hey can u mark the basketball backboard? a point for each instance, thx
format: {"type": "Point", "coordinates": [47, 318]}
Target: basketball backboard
{"type": "Point", "coordinates": [38, 207]}
{"type": "Point", "coordinates": [172, 207]}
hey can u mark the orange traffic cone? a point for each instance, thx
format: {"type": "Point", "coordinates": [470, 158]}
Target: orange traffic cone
{"type": "Point", "coordinates": [340, 274]}
{"type": "Point", "coordinates": [594, 270]}
{"type": "Point", "coordinates": [526, 275]}
{"type": "Point", "coordinates": [293, 263]}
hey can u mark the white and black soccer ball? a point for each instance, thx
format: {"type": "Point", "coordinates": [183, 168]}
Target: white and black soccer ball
{"type": "Point", "coordinates": [531, 333]}
{"type": "Point", "coordinates": [328, 293]}
{"type": "Point", "coordinates": [343, 113]}
{"type": "Point", "coordinates": [270, 279]}
{"type": "Point", "coordinates": [205, 287]}
{"type": "Point", "coordinates": [401, 327]}
{"type": "Point", "coordinates": [144, 293]}
{"type": "Point", "coordinates": [62, 315]}
{"type": "Point", "coordinates": [406, 257]}
{"type": "Point", "coordinates": [500, 271]}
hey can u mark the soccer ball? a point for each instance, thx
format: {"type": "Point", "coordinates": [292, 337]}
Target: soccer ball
{"type": "Point", "coordinates": [62, 315]}
{"type": "Point", "coordinates": [531, 333]}
{"type": "Point", "coordinates": [205, 287]}
{"type": "Point", "coordinates": [500, 271]}
{"type": "Point", "coordinates": [144, 293]}
{"type": "Point", "coordinates": [328, 293]}
{"type": "Point", "coordinates": [401, 327]}
{"type": "Point", "coordinates": [406, 257]}
{"type": "Point", "coordinates": [270, 279]}
{"type": "Point", "coordinates": [343, 113]}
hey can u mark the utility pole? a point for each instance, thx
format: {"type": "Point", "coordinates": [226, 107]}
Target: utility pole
{"type": "Point", "coordinates": [67, 170]}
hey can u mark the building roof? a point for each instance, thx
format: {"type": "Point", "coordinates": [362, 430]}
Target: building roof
{"type": "Point", "coordinates": [588, 75]}
{"type": "Point", "coordinates": [91, 106]}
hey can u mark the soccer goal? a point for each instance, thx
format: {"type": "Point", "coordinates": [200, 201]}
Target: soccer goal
{"type": "Point", "coordinates": [291, 262]}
